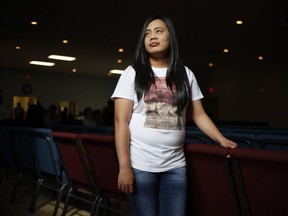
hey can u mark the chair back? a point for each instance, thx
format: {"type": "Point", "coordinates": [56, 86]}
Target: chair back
{"type": "Point", "coordinates": [20, 149]}
{"type": "Point", "coordinates": [196, 136]}
{"type": "Point", "coordinates": [273, 141]}
{"type": "Point", "coordinates": [101, 153]}
{"type": "Point", "coordinates": [211, 188]}
{"type": "Point", "coordinates": [45, 155]}
{"type": "Point", "coordinates": [47, 164]}
{"type": "Point", "coordinates": [262, 175]}
{"type": "Point", "coordinates": [74, 160]}
{"type": "Point", "coordinates": [243, 139]}
{"type": "Point", "coordinates": [15, 155]}
{"type": "Point", "coordinates": [6, 154]}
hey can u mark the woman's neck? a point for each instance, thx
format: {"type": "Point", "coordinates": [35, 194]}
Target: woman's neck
{"type": "Point", "coordinates": [159, 62]}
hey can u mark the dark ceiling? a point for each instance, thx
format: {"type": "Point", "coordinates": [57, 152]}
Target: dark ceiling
{"type": "Point", "coordinates": [96, 30]}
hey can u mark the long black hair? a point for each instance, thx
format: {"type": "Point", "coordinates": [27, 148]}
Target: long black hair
{"type": "Point", "coordinates": [176, 73]}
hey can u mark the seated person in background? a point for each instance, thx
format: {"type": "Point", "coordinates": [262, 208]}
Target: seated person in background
{"type": "Point", "coordinates": [89, 119]}
{"type": "Point", "coordinates": [51, 117]}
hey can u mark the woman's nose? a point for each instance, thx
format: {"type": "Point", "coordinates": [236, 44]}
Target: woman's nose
{"type": "Point", "coordinates": [153, 37]}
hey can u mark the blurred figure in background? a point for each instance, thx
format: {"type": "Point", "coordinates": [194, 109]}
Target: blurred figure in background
{"type": "Point", "coordinates": [89, 119]}
{"type": "Point", "coordinates": [35, 115]}
{"type": "Point", "coordinates": [97, 113]}
{"type": "Point", "coordinates": [51, 118]}
{"type": "Point", "coordinates": [19, 112]}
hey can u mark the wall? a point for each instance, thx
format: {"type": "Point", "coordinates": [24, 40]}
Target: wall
{"type": "Point", "coordinates": [51, 88]}
{"type": "Point", "coordinates": [254, 93]}
{"type": "Point", "coordinates": [257, 93]}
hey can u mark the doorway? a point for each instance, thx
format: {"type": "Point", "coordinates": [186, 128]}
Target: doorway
{"type": "Point", "coordinates": [71, 105]}
{"type": "Point", "coordinates": [25, 102]}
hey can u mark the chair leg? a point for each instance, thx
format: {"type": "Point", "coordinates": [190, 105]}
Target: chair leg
{"type": "Point", "coordinates": [16, 186]}
{"type": "Point", "coordinates": [67, 202]}
{"type": "Point", "coordinates": [96, 205]}
{"type": "Point", "coordinates": [59, 197]}
{"type": "Point", "coordinates": [35, 195]}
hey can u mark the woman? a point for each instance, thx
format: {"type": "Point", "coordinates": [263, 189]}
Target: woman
{"type": "Point", "coordinates": [151, 99]}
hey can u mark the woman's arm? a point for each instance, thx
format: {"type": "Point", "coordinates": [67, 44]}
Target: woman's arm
{"type": "Point", "coordinates": [205, 124]}
{"type": "Point", "coordinates": [123, 110]}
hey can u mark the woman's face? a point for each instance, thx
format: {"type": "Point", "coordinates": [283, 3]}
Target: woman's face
{"type": "Point", "coordinates": [157, 39]}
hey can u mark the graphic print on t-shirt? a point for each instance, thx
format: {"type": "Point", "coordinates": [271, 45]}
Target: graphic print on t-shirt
{"type": "Point", "coordinates": [161, 107]}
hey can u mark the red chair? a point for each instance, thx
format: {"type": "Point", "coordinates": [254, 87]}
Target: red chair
{"type": "Point", "coordinates": [262, 176]}
{"type": "Point", "coordinates": [82, 186]}
{"type": "Point", "coordinates": [101, 153]}
{"type": "Point", "coordinates": [211, 187]}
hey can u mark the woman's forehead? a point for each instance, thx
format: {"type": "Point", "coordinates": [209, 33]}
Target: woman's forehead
{"type": "Point", "coordinates": [156, 23]}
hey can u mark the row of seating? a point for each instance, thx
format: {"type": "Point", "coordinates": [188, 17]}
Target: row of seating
{"type": "Point", "coordinates": [275, 139]}
{"type": "Point", "coordinates": [259, 138]}
{"type": "Point", "coordinates": [32, 150]}
{"type": "Point", "coordinates": [83, 129]}
{"type": "Point", "coordinates": [251, 137]}
{"type": "Point", "coordinates": [240, 182]}
{"type": "Point", "coordinates": [79, 166]}
{"type": "Point", "coordinates": [91, 164]}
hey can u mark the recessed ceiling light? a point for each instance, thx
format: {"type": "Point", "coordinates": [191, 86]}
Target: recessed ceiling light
{"type": "Point", "coordinates": [63, 58]}
{"type": "Point", "coordinates": [42, 63]}
{"type": "Point", "coordinates": [34, 23]}
{"type": "Point", "coordinates": [239, 22]}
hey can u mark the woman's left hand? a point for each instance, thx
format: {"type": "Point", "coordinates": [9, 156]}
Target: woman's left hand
{"type": "Point", "coordinates": [227, 143]}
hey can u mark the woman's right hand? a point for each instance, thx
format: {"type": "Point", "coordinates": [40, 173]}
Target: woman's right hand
{"type": "Point", "coordinates": [126, 180]}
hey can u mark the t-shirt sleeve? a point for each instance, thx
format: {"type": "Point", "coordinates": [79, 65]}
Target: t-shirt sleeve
{"type": "Point", "coordinates": [196, 91]}
{"type": "Point", "coordinates": [125, 85]}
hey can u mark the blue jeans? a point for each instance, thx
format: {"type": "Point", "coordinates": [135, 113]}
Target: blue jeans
{"type": "Point", "coordinates": [159, 194]}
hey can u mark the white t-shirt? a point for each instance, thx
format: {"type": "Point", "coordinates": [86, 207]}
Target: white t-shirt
{"type": "Point", "coordinates": [157, 132]}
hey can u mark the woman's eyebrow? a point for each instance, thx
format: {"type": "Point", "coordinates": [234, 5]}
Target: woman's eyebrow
{"type": "Point", "coordinates": [155, 28]}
